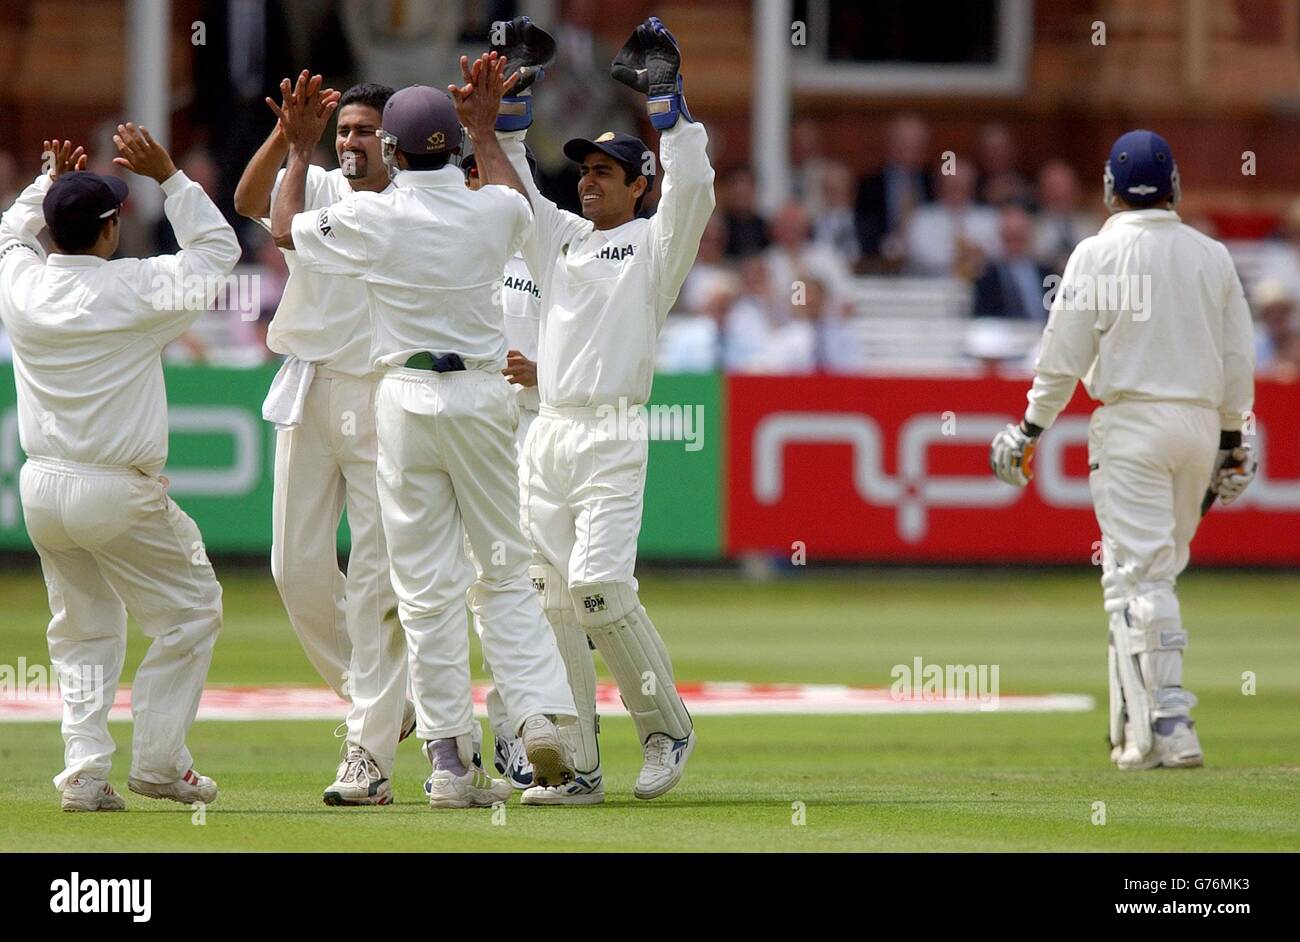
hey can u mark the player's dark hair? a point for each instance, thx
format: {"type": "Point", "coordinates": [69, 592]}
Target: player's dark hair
{"type": "Point", "coordinates": [630, 173]}
{"type": "Point", "coordinates": [427, 161]}
{"type": "Point", "coordinates": [369, 94]}
{"type": "Point", "coordinates": [79, 235]}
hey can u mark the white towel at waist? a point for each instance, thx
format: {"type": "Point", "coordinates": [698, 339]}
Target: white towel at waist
{"type": "Point", "coordinates": [288, 393]}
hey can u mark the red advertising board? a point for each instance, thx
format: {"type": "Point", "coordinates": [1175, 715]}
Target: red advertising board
{"type": "Point", "coordinates": [897, 469]}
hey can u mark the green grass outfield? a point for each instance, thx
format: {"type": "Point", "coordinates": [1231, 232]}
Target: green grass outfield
{"type": "Point", "coordinates": [989, 781]}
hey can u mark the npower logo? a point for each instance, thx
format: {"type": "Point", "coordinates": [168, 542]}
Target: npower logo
{"type": "Point", "coordinates": [913, 491]}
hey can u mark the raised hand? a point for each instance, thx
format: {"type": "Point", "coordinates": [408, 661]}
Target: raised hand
{"type": "Point", "coordinates": [58, 158]}
{"type": "Point", "coordinates": [479, 99]}
{"type": "Point", "coordinates": [141, 154]}
{"type": "Point", "coordinates": [305, 110]}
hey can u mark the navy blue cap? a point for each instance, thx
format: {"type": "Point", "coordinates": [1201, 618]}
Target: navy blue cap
{"type": "Point", "coordinates": [627, 150]}
{"type": "Point", "coordinates": [78, 198]}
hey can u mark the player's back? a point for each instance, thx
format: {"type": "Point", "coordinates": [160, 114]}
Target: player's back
{"type": "Point", "coordinates": [1165, 298]}
{"type": "Point", "coordinates": [436, 252]}
{"type": "Point", "coordinates": [87, 336]}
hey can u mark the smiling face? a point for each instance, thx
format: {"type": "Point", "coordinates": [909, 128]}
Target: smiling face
{"type": "Point", "coordinates": [608, 200]}
{"type": "Point", "coordinates": [356, 138]}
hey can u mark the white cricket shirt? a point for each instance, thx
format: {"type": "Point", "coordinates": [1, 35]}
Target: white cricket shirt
{"type": "Point", "coordinates": [522, 298]}
{"type": "Point", "coordinates": [323, 318]}
{"type": "Point", "coordinates": [1148, 308]}
{"type": "Point", "coordinates": [430, 253]}
{"type": "Point", "coordinates": [88, 334]}
{"type": "Point", "coordinates": [605, 293]}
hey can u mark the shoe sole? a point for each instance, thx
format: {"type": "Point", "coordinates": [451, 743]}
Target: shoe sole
{"type": "Point", "coordinates": [339, 800]}
{"type": "Point", "coordinates": [596, 798]}
{"type": "Point", "coordinates": [84, 809]}
{"type": "Point", "coordinates": [546, 756]}
{"type": "Point", "coordinates": [672, 782]}
{"type": "Point", "coordinates": [176, 798]}
{"type": "Point", "coordinates": [465, 803]}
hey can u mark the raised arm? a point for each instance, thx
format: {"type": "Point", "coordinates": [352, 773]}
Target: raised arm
{"type": "Point", "coordinates": [209, 248]}
{"type": "Point", "coordinates": [25, 219]}
{"type": "Point", "coordinates": [650, 63]}
{"type": "Point", "coordinates": [477, 104]}
{"type": "Point", "coordinates": [253, 192]}
{"type": "Point", "coordinates": [305, 114]}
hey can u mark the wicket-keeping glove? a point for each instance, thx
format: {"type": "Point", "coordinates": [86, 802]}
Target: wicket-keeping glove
{"type": "Point", "coordinates": [1012, 452]}
{"type": "Point", "coordinates": [648, 63]}
{"type": "Point", "coordinates": [529, 49]}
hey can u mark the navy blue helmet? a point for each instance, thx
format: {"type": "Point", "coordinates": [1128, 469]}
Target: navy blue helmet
{"type": "Point", "coordinates": [1141, 170]}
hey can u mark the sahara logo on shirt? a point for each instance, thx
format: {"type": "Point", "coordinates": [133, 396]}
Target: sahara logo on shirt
{"type": "Point", "coordinates": [323, 223]}
{"type": "Point", "coordinates": [616, 252]}
{"type": "Point", "coordinates": [523, 284]}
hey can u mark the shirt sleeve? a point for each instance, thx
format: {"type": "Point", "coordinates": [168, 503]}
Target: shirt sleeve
{"type": "Point", "coordinates": [1070, 344]}
{"type": "Point", "coordinates": [553, 227]}
{"type": "Point", "coordinates": [332, 240]}
{"type": "Point", "coordinates": [1238, 354]}
{"type": "Point", "coordinates": [169, 284]}
{"type": "Point", "coordinates": [315, 193]}
{"type": "Point", "coordinates": [22, 222]}
{"type": "Point", "coordinates": [684, 208]}
{"type": "Point", "coordinates": [520, 220]}
{"type": "Point", "coordinates": [25, 219]}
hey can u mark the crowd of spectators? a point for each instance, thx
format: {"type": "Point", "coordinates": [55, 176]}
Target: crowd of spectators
{"type": "Point", "coordinates": [775, 292]}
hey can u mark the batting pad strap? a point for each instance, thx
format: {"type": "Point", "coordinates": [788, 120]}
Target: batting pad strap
{"type": "Point", "coordinates": [617, 623]}
{"type": "Point", "coordinates": [550, 585]}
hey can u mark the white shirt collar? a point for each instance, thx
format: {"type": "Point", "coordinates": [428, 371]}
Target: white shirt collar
{"type": "Point", "coordinates": [1140, 217]}
{"type": "Point", "coordinates": [446, 176]}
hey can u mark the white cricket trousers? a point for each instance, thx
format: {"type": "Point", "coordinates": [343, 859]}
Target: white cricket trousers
{"type": "Point", "coordinates": [1153, 462]}
{"type": "Point", "coordinates": [583, 492]}
{"type": "Point", "coordinates": [1150, 466]}
{"type": "Point", "coordinates": [447, 470]}
{"type": "Point", "coordinates": [111, 542]}
{"type": "Point", "coordinates": [324, 464]}
{"type": "Point", "coordinates": [496, 710]}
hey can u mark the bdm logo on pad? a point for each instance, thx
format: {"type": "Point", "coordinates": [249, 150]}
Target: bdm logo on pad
{"type": "Point", "coordinates": [594, 603]}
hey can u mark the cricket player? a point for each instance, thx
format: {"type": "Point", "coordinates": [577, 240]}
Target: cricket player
{"type": "Point", "coordinates": [1151, 315]}
{"type": "Point", "coordinates": [323, 403]}
{"type": "Point", "coordinates": [521, 299]}
{"type": "Point", "coordinates": [87, 336]}
{"type": "Point", "coordinates": [608, 279]}
{"type": "Point", "coordinates": [431, 253]}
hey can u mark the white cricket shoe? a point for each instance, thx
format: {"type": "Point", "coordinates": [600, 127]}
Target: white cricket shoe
{"type": "Point", "coordinates": [359, 781]}
{"type": "Point", "coordinates": [665, 761]}
{"type": "Point", "coordinates": [474, 789]}
{"type": "Point", "coordinates": [187, 789]}
{"type": "Point", "coordinates": [83, 793]}
{"type": "Point", "coordinates": [1180, 749]}
{"type": "Point", "coordinates": [547, 752]}
{"type": "Point", "coordinates": [512, 762]}
{"type": "Point", "coordinates": [587, 788]}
